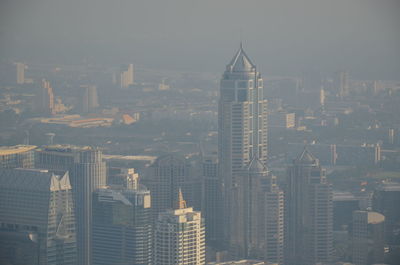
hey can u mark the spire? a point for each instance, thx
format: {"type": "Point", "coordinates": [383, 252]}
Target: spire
{"type": "Point", "coordinates": [241, 62]}
{"type": "Point", "coordinates": [181, 203]}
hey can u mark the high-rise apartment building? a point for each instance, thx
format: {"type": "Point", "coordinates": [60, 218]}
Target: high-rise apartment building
{"type": "Point", "coordinates": [88, 173]}
{"type": "Point", "coordinates": [179, 236]}
{"type": "Point", "coordinates": [17, 156]}
{"type": "Point", "coordinates": [367, 238]}
{"type": "Point", "coordinates": [308, 213]}
{"type": "Point", "coordinates": [242, 128]}
{"type": "Point", "coordinates": [37, 217]}
{"type": "Point", "coordinates": [45, 98]}
{"type": "Point", "coordinates": [258, 212]}
{"type": "Point", "coordinates": [125, 77]}
{"type": "Point", "coordinates": [122, 227]}
{"type": "Point", "coordinates": [165, 177]}
{"type": "Point", "coordinates": [20, 67]}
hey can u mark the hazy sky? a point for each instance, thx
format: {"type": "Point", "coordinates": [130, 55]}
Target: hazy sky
{"type": "Point", "coordinates": [283, 37]}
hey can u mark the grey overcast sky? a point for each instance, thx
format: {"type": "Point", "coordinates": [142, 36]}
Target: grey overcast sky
{"type": "Point", "coordinates": [283, 37]}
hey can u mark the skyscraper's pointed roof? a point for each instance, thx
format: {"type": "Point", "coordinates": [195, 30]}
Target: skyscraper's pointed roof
{"type": "Point", "coordinates": [256, 166]}
{"type": "Point", "coordinates": [306, 157]}
{"type": "Point", "coordinates": [181, 203]}
{"type": "Point", "coordinates": [241, 62]}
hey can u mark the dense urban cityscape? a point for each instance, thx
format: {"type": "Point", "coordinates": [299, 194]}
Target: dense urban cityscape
{"type": "Point", "coordinates": [128, 164]}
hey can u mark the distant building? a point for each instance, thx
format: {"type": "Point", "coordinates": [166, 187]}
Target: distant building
{"type": "Point", "coordinates": [308, 213]}
{"type": "Point", "coordinates": [122, 178]}
{"type": "Point", "coordinates": [17, 156]}
{"type": "Point", "coordinates": [90, 101]}
{"type": "Point", "coordinates": [342, 84]}
{"type": "Point", "coordinates": [45, 99]}
{"type": "Point", "coordinates": [125, 77]}
{"type": "Point", "coordinates": [88, 173]}
{"type": "Point", "coordinates": [282, 119]}
{"type": "Point", "coordinates": [179, 236]}
{"type": "Point", "coordinates": [368, 238]}
{"type": "Point", "coordinates": [37, 215]}
{"type": "Point", "coordinates": [122, 227]}
{"type": "Point", "coordinates": [20, 69]}
{"type": "Point", "coordinates": [165, 177]}
{"type": "Point", "coordinates": [344, 204]}
{"type": "Point", "coordinates": [240, 262]}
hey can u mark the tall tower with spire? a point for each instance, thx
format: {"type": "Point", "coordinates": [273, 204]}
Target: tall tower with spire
{"type": "Point", "coordinates": [242, 128]}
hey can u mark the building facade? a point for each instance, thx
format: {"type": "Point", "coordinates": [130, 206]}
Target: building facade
{"type": "Point", "coordinates": [37, 216]}
{"type": "Point", "coordinates": [122, 227]}
{"type": "Point", "coordinates": [179, 236]}
{"type": "Point", "coordinates": [308, 213]}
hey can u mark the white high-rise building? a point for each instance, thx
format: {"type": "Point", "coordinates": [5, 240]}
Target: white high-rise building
{"type": "Point", "coordinates": [179, 236]}
{"type": "Point", "coordinates": [242, 132]}
{"type": "Point", "coordinates": [20, 73]}
{"type": "Point", "coordinates": [126, 77]}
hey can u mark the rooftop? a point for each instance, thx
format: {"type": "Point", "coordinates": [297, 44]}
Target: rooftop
{"type": "Point", "coordinates": [16, 149]}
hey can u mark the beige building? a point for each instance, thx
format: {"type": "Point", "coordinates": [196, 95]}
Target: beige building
{"type": "Point", "coordinates": [179, 236]}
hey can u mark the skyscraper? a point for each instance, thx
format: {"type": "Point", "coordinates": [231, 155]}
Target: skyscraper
{"type": "Point", "coordinates": [90, 99]}
{"type": "Point", "coordinates": [368, 238]}
{"type": "Point", "coordinates": [45, 98]}
{"type": "Point", "coordinates": [88, 173]}
{"type": "Point", "coordinates": [37, 210]}
{"type": "Point", "coordinates": [308, 218]}
{"type": "Point", "coordinates": [242, 127]}
{"type": "Point", "coordinates": [179, 236]}
{"type": "Point", "coordinates": [257, 215]}
{"type": "Point", "coordinates": [122, 227]}
{"type": "Point", "coordinates": [165, 177]}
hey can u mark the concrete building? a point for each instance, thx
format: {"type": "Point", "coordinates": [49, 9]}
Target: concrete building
{"type": "Point", "coordinates": [242, 128]}
{"type": "Point", "coordinates": [90, 100]}
{"type": "Point", "coordinates": [88, 173]}
{"type": "Point", "coordinates": [122, 228]}
{"type": "Point", "coordinates": [165, 177]}
{"type": "Point", "coordinates": [17, 156]}
{"type": "Point", "coordinates": [179, 236]}
{"type": "Point", "coordinates": [368, 238]}
{"type": "Point", "coordinates": [37, 217]}
{"type": "Point", "coordinates": [308, 218]}
{"type": "Point", "coordinates": [282, 119]}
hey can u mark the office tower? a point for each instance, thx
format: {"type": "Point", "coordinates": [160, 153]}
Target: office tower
{"type": "Point", "coordinates": [386, 200]}
{"type": "Point", "coordinates": [17, 156]}
{"type": "Point", "coordinates": [122, 229]}
{"type": "Point", "coordinates": [344, 204]}
{"type": "Point", "coordinates": [164, 178]}
{"type": "Point", "coordinates": [90, 101]}
{"type": "Point", "coordinates": [45, 99]}
{"type": "Point", "coordinates": [242, 126]}
{"type": "Point", "coordinates": [308, 218]}
{"type": "Point", "coordinates": [126, 76]}
{"type": "Point", "coordinates": [368, 239]}
{"type": "Point", "coordinates": [257, 212]}
{"type": "Point", "coordinates": [179, 236]}
{"type": "Point", "coordinates": [20, 67]}
{"type": "Point", "coordinates": [88, 173]}
{"type": "Point", "coordinates": [37, 205]}
{"type": "Point", "coordinates": [212, 200]}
